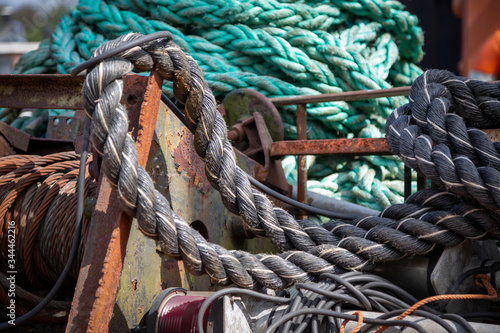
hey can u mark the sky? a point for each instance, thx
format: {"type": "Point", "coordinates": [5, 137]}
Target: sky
{"type": "Point", "coordinates": [19, 3]}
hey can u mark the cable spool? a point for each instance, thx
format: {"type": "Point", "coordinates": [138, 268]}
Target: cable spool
{"type": "Point", "coordinates": [173, 311]}
{"type": "Point", "coordinates": [37, 196]}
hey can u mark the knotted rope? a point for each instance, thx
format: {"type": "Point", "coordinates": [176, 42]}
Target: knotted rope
{"type": "Point", "coordinates": [277, 48]}
{"type": "Point", "coordinates": [444, 109]}
{"type": "Point", "coordinates": [429, 218]}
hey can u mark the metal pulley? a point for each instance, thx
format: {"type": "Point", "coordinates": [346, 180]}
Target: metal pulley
{"type": "Point", "coordinates": [254, 124]}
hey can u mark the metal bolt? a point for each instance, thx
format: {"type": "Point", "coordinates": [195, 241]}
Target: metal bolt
{"type": "Point", "coordinates": [234, 299]}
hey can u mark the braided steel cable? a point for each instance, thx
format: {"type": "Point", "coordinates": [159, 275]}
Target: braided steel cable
{"type": "Point", "coordinates": [308, 249]}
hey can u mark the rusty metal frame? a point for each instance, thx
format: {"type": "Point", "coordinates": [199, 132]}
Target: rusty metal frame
{"type": "Point", "coordinates": [109, 229]}
{"type": "Point", "coordinates": [341, 147]}
{"type": "Point", "coordinates": [344, 147]}
{"type": "Point", "coordinates": [38, 91]}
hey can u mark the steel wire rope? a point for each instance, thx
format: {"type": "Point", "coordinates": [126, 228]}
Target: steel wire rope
{"type": "Point", "coordinates": [76, 237]}
{"type": "Point", "coordinates": [80, 189]}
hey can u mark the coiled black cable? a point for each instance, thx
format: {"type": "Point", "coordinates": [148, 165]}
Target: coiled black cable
{"type": "Point", "coordinates": [333, 295]}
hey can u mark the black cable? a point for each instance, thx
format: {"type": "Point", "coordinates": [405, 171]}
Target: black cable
{"type": "Point", "coordinates": [76, 236]}
{"type": "Point", "coordinates": [306, 321]}
{"type": "Point", "coordinates": [307, 296]}
{"type": "Point", "coordinates": [460, 321]}
{"type": "Point", "coordinates": [171, 105]}
{"type": "Point", "coordinates": [330, 294]}
{"type": "Point", "coordinates": [419, 313]}
{"type": "Point", "coordinates": [300, 205]}
{"type": "Point", "coordinates": [397, 303]}
{"type": "Point", "coordinates": [479, 270]}
{"type": "Point", "coordinates": [482, 315]}
{"type": "Point", "coordinates": [264, 188]}
{"type": "Point", "coordinates": [342, 315]}
{"type": "Point", "coordinates": [349, 287]}
{"type": "Point", "coordinates": [124, 47]}
{"type": "Point", "coordinates": [235, 291]}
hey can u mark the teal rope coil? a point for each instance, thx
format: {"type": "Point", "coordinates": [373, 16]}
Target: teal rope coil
{"type": "Point", "coordinates": [279, 48]}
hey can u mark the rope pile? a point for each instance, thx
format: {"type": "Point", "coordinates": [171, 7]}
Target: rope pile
{"type": "Point", "coordinates": [279, 48]}
{"type": "Point", "coordinates": [429, 219]}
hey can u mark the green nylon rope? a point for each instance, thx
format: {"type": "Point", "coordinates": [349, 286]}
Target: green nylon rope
{"type": "Point", "coordinates": [279, 48]}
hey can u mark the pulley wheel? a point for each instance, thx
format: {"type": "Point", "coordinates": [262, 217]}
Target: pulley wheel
{"type": "Point", "coordinates": [242, 103]}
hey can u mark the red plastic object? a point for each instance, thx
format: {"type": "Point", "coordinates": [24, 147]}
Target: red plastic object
{"type": "Point", "coordinates": [179, 314]}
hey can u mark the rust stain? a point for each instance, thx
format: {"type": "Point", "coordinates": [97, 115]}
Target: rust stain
{"type": "Point", "coordinates": [42, 91]}
{"type": "Point", "coordinates": [347, 147]}
{"type": "Point", "coordinates": [186, 160]}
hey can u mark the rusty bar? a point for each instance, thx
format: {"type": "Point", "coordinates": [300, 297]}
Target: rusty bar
{"type": "Point", "coordinates": [301, 160]}
{"type": "Point", "coordinates": [407, 182]}
{"type": "Point", "coordinates": [41, 91]}
{"type": "Point", "coordinates": [109, 228]}
{"type": "Point", "coordinates": [347, 147]}
{"type": "Point", "coordinates": [357, 95]}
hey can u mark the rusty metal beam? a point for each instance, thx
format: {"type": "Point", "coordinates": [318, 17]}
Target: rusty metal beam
{"type": "Point", "coordinates": [41, 91]}
{"type": "Point", "coordinates": [109, 228]}
{"type": "Point", "coordinates": [357, 95]}
{"type": "Point", "coordinates": [346, 147]}
{"type": "Point", "coordinates": [301, 160]}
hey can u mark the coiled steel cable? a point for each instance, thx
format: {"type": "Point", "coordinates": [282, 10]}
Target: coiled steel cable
{"type": "Point", "coordinates": [38, 193]}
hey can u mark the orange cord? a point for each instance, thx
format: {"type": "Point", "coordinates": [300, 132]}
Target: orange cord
{"type": "Point", "coordinates": [481, 280]}
{"type": "Point", "coordinates": [358, 326]}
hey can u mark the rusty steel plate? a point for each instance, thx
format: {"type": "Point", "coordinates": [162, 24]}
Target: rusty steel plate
{"type": "Point", "coordinates": [41, 91]}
